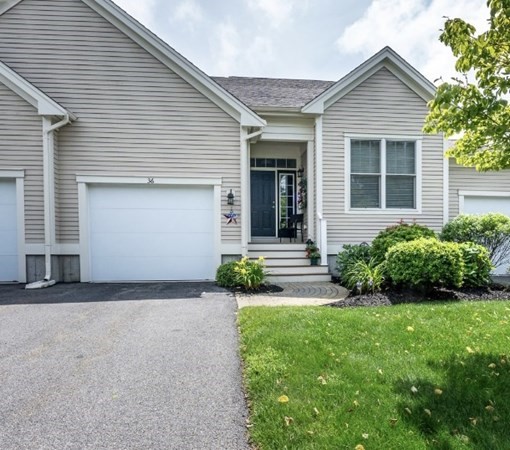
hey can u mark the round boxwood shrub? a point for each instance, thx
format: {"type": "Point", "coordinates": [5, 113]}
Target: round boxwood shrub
{"type": "Point", "coordinates": [425, 263]}
{"type": "Point", "coordinates": [477, 265]}
{"type": "Point", "coordinates": [226, 275]}
{"type": "Point", "coordinates": [395, 234]}
{"type": "Point", "coordinates": [491, 230]}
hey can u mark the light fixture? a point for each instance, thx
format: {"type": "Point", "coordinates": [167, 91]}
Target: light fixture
{"type": "Point", "coordinates": [230, 198]}
{"type": "Point", "coordinates": [301, 172]}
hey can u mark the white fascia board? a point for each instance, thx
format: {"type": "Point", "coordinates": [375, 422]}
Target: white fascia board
{"type": "Point", "coordinates": [176, 62]}
{"type": "Point", "coordinates": [45, 105]}
{"type": "Point", "coordinates": [385, 58]}
{"type": "Point", "coordinates": [5, 5]}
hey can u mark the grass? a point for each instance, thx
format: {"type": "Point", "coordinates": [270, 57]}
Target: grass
{"type": "Point", "coordinates": [406, 377]}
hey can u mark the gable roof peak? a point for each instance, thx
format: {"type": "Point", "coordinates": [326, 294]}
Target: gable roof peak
{"type": "Point", "coordinates": [386, 57]}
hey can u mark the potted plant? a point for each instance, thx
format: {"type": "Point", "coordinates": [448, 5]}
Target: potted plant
{"type": "Point", "coordinates": [312, 252]}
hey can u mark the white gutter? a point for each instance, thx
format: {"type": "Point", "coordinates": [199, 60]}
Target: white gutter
{"type": "Point", "coordinates": [49, 200]}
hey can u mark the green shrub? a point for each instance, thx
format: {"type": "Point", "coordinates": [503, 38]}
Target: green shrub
{"type": "Point", "coordinates": [477, 265]}
{"type": "Point", "coordinates": [425, 263]}
{"type": "Point", "coordinates": [364, 277]}
{"type": "Point", "coordinates": [226, 275]}
{"type": "Point", "coordinates": [349, 256]}
{"type": "Point", "coordinates": [395, 234]}
{"type": "Point", "coordinates": [490, 230]}
{"type": "Point", "coordinates": [250, 274]}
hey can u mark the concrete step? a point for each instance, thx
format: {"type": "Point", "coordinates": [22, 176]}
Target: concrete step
{"type": "Point", "coordinates": [279, 262]}
{"type": "Point", "coordinates": [299, 270]}
{"type": "Point", "coordinates": [315, 278]}
{"type": "Point", "coordinates": [267, 254]}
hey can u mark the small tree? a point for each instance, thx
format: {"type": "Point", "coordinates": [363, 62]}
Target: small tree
{"type": "Point", "coordinates": [479, 110]}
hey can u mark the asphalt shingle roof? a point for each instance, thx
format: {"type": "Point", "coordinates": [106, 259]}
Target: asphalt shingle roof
{"type": "Point", "coordinates": [273, 92]}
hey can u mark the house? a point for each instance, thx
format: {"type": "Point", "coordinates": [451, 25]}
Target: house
{"type": "Point", "coordinates": [119, 159]}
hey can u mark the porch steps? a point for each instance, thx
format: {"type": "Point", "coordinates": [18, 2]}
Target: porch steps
{"type": "Point", "coordinates": [287, 263]}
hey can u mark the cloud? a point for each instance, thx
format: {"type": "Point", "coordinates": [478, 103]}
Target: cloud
{"type": "Point", "coordinates": [235, 54]}
{"type": "Point", "coordinates": [189, 11]}
{"type": "Point", "coordinates": [278, 11]}
{"type": "Point", "coordinates": [142, 10]}
{"type": "Point", "coordinates": [411, 28]}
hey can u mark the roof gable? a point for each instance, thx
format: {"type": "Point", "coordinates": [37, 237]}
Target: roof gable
{"type": "Point", "coordinates": [387, 58]}
{"type": "Point", "coordinates": [176, 62]}
{"type": "Point", "coordinates": [169, 57]}
{"type": "Point", "coordinates": [45, 105]}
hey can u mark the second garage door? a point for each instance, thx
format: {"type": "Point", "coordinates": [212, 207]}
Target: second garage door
{"type": "Point", "coordinates": [151, 233]}
{"type": "Point", "coordinates": [482, 204]}
{"type": "Point", "coordinates": [8, 232]}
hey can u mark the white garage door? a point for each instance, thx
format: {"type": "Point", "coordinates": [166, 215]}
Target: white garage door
{"type": "Point", "coordinates": [482, 205]}
{"type": "Point", "coordinates": [8, 233]}
{"type": "Point", "coordinates": [150, 233]}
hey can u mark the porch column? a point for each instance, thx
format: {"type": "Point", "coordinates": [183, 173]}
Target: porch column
{"type": "Point", "coordinates": [245, 192]}
{"type": "Point", "coordinates": [310, 188]}
{"type": "Point", "coordinates": [322, 227]}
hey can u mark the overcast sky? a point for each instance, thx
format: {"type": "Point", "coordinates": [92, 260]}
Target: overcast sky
{"type": "Point", "coordinates": [313, 39]}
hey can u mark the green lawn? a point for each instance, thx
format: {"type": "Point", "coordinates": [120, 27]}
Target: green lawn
{"type": "Point", "coordinates": [404, 377]}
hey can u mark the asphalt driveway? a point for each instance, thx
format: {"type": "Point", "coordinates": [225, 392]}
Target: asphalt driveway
{"type": "Point", "coordinates": [134, 366]}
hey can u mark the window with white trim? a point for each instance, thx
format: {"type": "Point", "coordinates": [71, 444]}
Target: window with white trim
{"type": "Point", "coordinates": [383, 174]}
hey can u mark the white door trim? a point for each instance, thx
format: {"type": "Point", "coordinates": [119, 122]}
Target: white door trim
{"type": "Point", "coordinates": [19, 176]}
{"type": "Point", "coordinates": [83, 204]}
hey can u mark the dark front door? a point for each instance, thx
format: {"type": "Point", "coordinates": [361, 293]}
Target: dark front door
{"type": "Point", "coordinates": [263, 203]}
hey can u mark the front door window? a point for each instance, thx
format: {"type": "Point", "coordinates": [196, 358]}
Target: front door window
{"type": "Point", "coordinates": [287, 198]}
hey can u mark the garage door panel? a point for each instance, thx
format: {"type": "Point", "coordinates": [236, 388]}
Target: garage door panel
{"type": "Point", "coordinates": [8, 231]}
{"type": "Point", "coordinates": [153, 221]}
{"type": "Point", "coordinates": [161, 245]}
{"type": "Point", "coordinates": [483, 205]}
{"type": "Point", "coordinates": [137, 197]}
{"type": "Point", "coordinates": [152, 268]}
{"type": "Point", "coordinates": [151, 233]}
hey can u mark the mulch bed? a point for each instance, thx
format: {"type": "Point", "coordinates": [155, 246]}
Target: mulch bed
{"type": "Point", "coordinates": [398, 296]}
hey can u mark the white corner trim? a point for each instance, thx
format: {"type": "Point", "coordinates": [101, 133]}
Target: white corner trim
{"type": "Point", "coordinates": [176, 62]}
{"type": "Point", "coordinates": [446, 184]}
{"type": "Point", "coordinates": [20, 222]}
{"type": "Point", "coordinates": [319, 162]}
{"type": "Point", "coordinates": [385, 58]}
{"type": "Point", "coordinates": [45, 105]}
{"type": "Point", "coordinates": [245, 190]}
{"type": "Point", "coordinates": [110, 179]}
{"type": "Point", "coordinates": [217, 225]}
{"type": "Point", "coordinates": [383, 210]}
{"type": "Point", "coordinates": [8, 4]}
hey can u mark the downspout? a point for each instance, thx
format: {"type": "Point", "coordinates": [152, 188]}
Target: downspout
{"type": "Point", "coordinates": [48, 183]}
{"type": "Point", "coordinates": [245, 182]}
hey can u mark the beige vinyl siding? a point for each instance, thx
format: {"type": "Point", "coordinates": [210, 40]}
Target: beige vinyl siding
{"type": "Point", "coordinates": [468, 179]}
{"type": "Point", "coordinates": [135, 116]}
{"type": "Point", "coordinates": [21, 148]}
{"type": "Point", "coordinates": [381, 105]}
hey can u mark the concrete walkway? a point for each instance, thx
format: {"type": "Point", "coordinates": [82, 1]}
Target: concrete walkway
{"type": "Point", "coordinates": [295, 294]}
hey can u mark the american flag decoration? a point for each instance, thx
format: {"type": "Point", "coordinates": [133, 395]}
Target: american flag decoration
{"type": "Point", "coordinates": [231, 217]}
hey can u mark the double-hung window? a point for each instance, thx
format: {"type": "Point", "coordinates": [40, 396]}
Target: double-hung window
{"type": "Point", "coordinates": [383, 174]}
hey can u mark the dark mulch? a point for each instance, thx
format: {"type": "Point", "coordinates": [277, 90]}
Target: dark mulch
{"type": "Point", "coordinates": [397, 296]}
{"type": "Point", "coordinates": [264, 289]}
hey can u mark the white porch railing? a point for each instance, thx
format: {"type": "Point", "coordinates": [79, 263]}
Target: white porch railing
{"type": "Point", "coordinates": [322, 239]}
